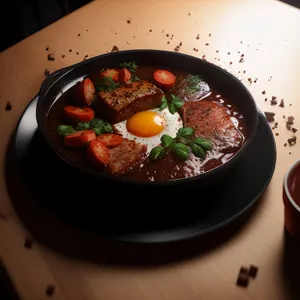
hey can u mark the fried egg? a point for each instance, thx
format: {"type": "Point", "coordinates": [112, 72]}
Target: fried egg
{"type": "Point", "coordinates": [147, 127]}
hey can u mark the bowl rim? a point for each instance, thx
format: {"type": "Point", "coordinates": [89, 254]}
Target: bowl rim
{"type": "Point", "coordinates": [285, 184]}
{"type": "Point", "coordinates": [60, 73]}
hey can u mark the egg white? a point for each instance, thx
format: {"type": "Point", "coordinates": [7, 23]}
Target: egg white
{"type": "Point", "coordinates": [173, 124]}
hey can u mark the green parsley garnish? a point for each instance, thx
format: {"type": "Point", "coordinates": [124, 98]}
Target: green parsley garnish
{"type": "Point", "coordinates": [98, 125]}
{"type": "Point", "coordinates": [181, 145]}
{"type": "Point", "coordinates": [132, 67]}
{"type": "Point", "coordinates": [174, 104]}
{"type": "Point", "coordinates": [65, 130]}
{"type": "Point", "coordinates": [193, 82]}
{"type": "Point", "coordinates": [106, 84]}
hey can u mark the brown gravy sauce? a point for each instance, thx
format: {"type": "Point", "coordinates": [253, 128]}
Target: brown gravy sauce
{"type": "Point", "coordinates": [169, 167]}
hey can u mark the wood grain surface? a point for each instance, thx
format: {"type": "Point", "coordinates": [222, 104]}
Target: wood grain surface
{"type": "Point", "coordinates": [259, 42]}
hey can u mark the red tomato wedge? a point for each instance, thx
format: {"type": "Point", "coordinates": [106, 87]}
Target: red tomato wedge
{"type": "Point", "coordinates": [80, 138]}
{"type": "Point", "coordinates": [113, 73]}
{"type": "Point", "coordinates": [110, 139]}
{"type": "Point", "coordinates": [124, 75]}
{"type": "Point", "coordinates": [164, 79]}
{"type": "Point", "coordinates": [97, 153]}
{"type": "Point", "coordinates": [86, 92]}
{"type": "Point", "coordinates": [78, 114]}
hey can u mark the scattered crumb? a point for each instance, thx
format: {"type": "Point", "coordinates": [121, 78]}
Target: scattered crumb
{"type": "Point", "coordinates": [47, 48]}
{"type": "Point", "coordinates": [288, 126]}
{"type": "Point", "coordinates": [129, 21]}
{"type": "Point", "coordinates": [70, 50]}
{"type": "Point", "coordinates": [168, 42]}
{"type": "Point", "coordinates": [207, 44]}
{"type": "Point", "coordinates": [241, 60]}
{"type": "Point", "coordinates": [263, 92]}
{"type": "Point", "coordinates": [276, 133]}
{"type": "Point", "coordinates": [242, 280]}
{"type": "Point", "coordinates": [77, 53]}
{"type": "Point", "coordinates": [50, 290]}
{"type": "Point", "coordinates": [28, 243]}
{"type": "Point", "coordinates": [189, 14]}
{"type": "Point", "coordinates": [78, 34]}
{"type": "Point", "coordinates": [8, 106]}
{"type": "Point", "coordinates": [204, 57]}
{"type": "Point", "coordinates": [51, 57]}
{"type": "Point", "coordinates": [294, 129]}
{"type": "Point", "coordinates": [198, 37]}
{"type": "Point", "coordinates": [273, 100]}
{"type": "Point", "coordinates": [290, 153]}
{"type": "Point", "coordinates": [281, 103]}
{"type": "Point", "coordinates": [269, 116]}
{"type": "Point", "coordinates": [177, 48]}
{"type": "Point", "coordinates": [62, 55]}
{"type": "Point", "coordinates": [47, 72]}
{"type": "Point", "coordinates": [292, 141]}
{"type": "Point", "coordinates": [290, 120]}
{"type": "Point", "coordinates": [209, 35]}
{"type": "Point", "coordinates": [285, 144]}
{"type": "Point", "coordinates": [150, 30]}
{"type": "Point", "coordinates": [114, 49]}
{"type": "Point", "coordinates": [253, 271]}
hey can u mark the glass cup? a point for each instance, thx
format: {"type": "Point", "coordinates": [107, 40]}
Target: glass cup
{"type": "Point", "coordinates": [291, 200]}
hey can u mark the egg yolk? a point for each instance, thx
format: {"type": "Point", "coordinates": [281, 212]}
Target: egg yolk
{"type": "Point", "coordinates": [145, 124]}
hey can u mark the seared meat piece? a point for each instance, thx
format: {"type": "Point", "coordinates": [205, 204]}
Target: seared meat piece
{"type": "Point", "coordinates": [126, 100]}
{"type": "Point", "coordinates": [183, 91]}
{"type": "Point", "coordinates": [211, 121]}
{"type": "Point", "coordinates": [125, 156]}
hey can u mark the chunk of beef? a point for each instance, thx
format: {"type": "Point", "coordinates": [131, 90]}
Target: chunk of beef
{"type": "Point", "coordinates": [126, 100]}
{"type": "Point", "coordinates": [125, 156]}
{"type": "Point", "coordinates": [211, 121]}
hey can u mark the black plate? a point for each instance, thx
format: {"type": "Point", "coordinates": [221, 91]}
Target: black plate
{"type": "Point", "coordinates": [36, 173]}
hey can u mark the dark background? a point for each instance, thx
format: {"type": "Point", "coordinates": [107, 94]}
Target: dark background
{"type": "Point", "coordinates": [22, 18]}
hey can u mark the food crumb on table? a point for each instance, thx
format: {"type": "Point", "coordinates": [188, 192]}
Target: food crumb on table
{"type": "Point", "coordinates": [242, 279]}
{"type": "Point", "coordinates": [50, 290]}
{"type": "Point", "coordinates": [28, 243]}
{"type": "Point", "coordinates": [8, 106]}
{"type": "Point", "coordinates": [253, 271]}
{"type": "Point", "coordinates": [114, 49]}
{"type": "Point", "coordinates": [51, 56]}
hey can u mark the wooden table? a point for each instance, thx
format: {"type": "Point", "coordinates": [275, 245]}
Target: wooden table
{"type": "Point", "coordinates": [265, 34]}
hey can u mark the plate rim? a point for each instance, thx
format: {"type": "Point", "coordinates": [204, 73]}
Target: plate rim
{"type": "Point", "coordinates": [155, 237]}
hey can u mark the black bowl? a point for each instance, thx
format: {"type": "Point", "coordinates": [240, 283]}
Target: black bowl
{"type": "Point", "coordinates": [225, 83]}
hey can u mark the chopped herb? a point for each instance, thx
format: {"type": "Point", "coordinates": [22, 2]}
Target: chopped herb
{"type": "Point", "coordinates": [98, 125]}
{"type": "Point", "coordinates": [174, 104]}
{"type": "Point", "coordinates": [164, 103]}
{"type": "Point", "coordinates": [193, 82]}
{"type": "Point", "coordinates": [65, 130]}
{"type": "Point", "coordinates": [106, 84]}
{"type": "Point", "coordinates": [181, 145]}
{"type": "Point", "coordinates": [134, 77]}
{"type": "Point", "coordinates": [131, 66]}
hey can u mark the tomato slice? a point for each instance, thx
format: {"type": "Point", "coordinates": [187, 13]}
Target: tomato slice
{"type": "Point", "coordinates": [79, 139]}
{"type": "Point", "coordinates": [124, 75]}
{"type": "Point", "coordinates": [110, 139]}
{"type": "Point", "coordinates": [86, 92]}
{"type": "Point", "coordinates": [78, 114]}
{"type": "Point", "coordinates": [164, 79]}
{"type": "Point", "coordinates": [97, 153]}
{"type": "Point", "coordinates": [112, 73]}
